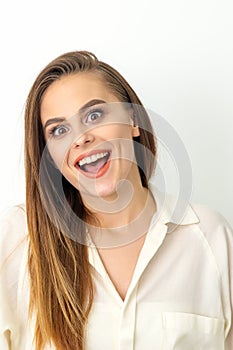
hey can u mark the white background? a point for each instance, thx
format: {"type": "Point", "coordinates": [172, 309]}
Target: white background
{"type": "Point", "coordinates": [177, 55]}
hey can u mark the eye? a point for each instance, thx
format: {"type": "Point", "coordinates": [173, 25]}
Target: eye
{"type": "Point", "coordinates": [59, 130]}
{"type": "Point", "coordinates": [93, 116]}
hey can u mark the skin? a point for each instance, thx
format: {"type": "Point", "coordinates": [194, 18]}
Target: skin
{"type": "Point", "coordinates": [109, 193]}
{"type": "Point", "coordinates": [117, 197]}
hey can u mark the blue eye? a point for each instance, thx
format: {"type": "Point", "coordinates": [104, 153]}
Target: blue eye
{"type": "Point", "coordinates": [59, 130]}
{"type": "Point", "coordinates": [93, 116]}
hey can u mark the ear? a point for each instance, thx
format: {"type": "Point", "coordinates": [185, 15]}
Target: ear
{"type": "Point", "coordinates": [135, 128]}
{"type": "Point", "coordinates": [135, 131]}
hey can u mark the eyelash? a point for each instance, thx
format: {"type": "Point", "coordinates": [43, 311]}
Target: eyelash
{"type": "Point", "coordinates": [90, 113]}
{"type": "Point", "coordinates": [94, 111]}
{"type": "Point", "coordinates": [55, 128]}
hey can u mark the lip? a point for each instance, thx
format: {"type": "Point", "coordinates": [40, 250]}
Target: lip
{"type": "Point", "coordinates": [102, 171]}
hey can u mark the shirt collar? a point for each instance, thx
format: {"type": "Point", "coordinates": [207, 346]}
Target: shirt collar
{"type": "Point", "coordinates": [171, 209]}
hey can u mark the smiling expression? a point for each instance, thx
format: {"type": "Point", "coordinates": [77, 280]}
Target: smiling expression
{"type": "Point", "coordinates": [89, 134]}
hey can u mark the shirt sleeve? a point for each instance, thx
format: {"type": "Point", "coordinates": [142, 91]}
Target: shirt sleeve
{"type": "Point", "coordinates": [219, 235]}
{"type": "Point", "coordinates": [12, 236]}
{"type": "Point", "coordinates": [227, 282]}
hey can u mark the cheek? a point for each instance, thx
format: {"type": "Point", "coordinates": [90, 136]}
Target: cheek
{"type": "Point", "coordinates": [115, 131]}
{"type": "Point", "coordinates": [59, 152]}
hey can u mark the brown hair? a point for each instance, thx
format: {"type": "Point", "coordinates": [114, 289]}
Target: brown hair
{"type": "Point", "coordinates": [61, 289]}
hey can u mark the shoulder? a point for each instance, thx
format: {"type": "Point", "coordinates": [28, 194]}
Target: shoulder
{"type": "Point", "coordinates": [217, 234]}
{"type": "Point", "coordinates": [208, 215]}
{"type": "Point", "coordinates": [14, 288]}
{"type": "Point", "coordinates": [211, 222]}
{"type": "Point", "coordinates": [13, 230]}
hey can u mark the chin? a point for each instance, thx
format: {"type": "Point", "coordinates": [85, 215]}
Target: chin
{"type": "Point", "coordinates": [106, 190]}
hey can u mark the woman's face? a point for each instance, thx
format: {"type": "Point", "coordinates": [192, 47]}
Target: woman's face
{"type": "Point", "coordinates": [89, 134]}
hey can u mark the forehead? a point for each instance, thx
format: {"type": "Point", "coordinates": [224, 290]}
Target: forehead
{"type": "Point", "coordinates": [64, 97]}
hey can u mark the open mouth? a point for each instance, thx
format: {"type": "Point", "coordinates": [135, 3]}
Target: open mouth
{"type": "Point", "coordinates": [95, 164]}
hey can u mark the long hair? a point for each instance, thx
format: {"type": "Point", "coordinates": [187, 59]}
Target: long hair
{"type": "Point", "coordinates": [61, 288]}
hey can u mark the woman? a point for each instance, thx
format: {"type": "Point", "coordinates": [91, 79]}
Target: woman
{"type": "Point", "coordinates": [92, 260]}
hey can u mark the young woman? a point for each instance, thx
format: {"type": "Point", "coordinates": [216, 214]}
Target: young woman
{"type": "Point", "coordinates": [91, 262]}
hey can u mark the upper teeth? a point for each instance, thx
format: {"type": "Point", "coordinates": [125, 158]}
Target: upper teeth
{"type": "Point", "coordinates": [92, 158]}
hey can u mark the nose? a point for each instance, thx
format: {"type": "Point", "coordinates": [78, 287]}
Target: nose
{"type": "Point", "coordinates": [83, 139]}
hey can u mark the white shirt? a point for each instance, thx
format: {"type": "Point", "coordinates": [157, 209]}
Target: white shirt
{"type": "Point", "coordinates": [180, 296]}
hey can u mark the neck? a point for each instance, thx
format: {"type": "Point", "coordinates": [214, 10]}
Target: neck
{"type": "Point", "coordinates": [126, 218]}
{"type": "Point", "coordinates": [126, 208]}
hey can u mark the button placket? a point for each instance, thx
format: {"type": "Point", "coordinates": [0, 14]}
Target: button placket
{"type": "Point", "coordinates": [127, 327]}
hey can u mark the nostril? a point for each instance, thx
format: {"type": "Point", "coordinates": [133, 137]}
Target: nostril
{"type": "Point", "coordinates": [83, 139]}
{"type": "Point", "coordinates": [79, 143]}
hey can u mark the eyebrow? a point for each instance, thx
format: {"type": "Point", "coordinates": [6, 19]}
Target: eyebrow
{"type": "Point", "coordinates": [81, 110]}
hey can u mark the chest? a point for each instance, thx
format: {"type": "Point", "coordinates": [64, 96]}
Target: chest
{"type": "Point", "coordinates": [176, 305]}
{"type": "Point", "coordinates": [120, 264]}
